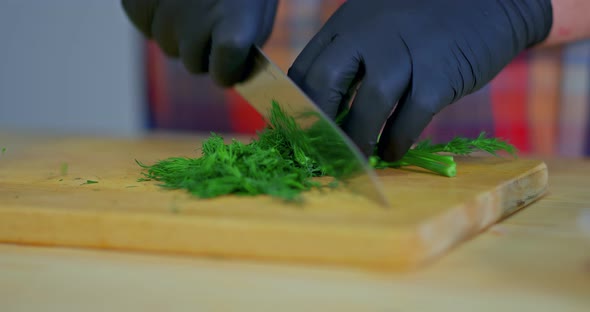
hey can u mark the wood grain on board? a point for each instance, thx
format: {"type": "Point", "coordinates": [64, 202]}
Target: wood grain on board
{"type": "Point", "coordinates": [42, 204]}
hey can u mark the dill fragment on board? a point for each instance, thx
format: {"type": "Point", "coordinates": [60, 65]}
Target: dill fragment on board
{"type": "Point", "coordinates": [64, 169]}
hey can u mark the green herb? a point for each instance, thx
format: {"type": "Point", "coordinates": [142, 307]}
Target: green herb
{"type": "Point", "coordinates": [464, 146]}
{"type": "Point", "coordinates": [284, 160]}
{"type": "Point", "coordinates": [174, 208]}
{"type": "Point", "coordinates": [271, 164]}
{"type": "Point", "coordinates": [90, 182]}
{"type": "Point", "coordinates": [64, 169]}
{"type": "Point", "coordinates": [268, 166]}
{"type": "Point", "coordinates": [426, 155]}
{"type": "Point", "coordinates": [3, 151]}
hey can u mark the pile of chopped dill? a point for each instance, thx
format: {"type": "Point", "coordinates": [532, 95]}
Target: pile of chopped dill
{"type": "Point", "coordinates": [280, 164]}
{"type": "Point", "coordinates": [271, 165]}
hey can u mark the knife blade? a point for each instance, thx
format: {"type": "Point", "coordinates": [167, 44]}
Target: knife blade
{"type": "Point", "coordinates": [267, 84]}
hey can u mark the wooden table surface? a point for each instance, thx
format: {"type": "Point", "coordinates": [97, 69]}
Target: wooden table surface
{"type": "Point", "coordinates": [538, 259]}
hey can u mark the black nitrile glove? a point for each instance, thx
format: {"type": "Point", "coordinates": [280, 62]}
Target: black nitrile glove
{"type": "Point", "coordinates": [421, 54]}
{"type": "Point", "coordinates": [213, 36]}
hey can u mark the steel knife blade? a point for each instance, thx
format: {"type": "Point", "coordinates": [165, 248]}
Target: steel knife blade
{"type": "Point", "coordinates": [267, 84]}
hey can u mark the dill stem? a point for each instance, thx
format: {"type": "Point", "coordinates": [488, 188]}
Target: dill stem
{"type": "Point", "coordinates": [441, 164]}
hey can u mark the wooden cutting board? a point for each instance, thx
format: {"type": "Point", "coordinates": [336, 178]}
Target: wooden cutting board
{"type": "Point", "coordinates": [40, 203]}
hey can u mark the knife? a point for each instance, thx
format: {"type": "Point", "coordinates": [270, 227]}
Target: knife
{"type": "Point", "coordinates": [266, 84]}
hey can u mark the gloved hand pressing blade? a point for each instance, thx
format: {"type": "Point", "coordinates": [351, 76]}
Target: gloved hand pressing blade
{"type": "Point", "coordinates": [214, 36]}
{"type": "Point", "coordinates": [414, 57]}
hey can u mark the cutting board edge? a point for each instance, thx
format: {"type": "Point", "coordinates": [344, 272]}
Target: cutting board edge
{"type": "Point", "coordinates": [256, 241]}
{"type": "Point", "coordinates": [508, 200]}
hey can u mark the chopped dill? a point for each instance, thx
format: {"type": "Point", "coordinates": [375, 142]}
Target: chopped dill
{"type": "Point", "coordinates": [426, 155]}
{"type": "Point", "coordinates": [281, 162]}
{"type": "Point", "coordinates": [64, 169]}
{"type": "Point", "coordinates": [267, 166]}
{"type": "Point", "coordinates": [89, 182]}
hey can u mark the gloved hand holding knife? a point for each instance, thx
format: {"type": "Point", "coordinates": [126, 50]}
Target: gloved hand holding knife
{"type": "Point", "coordinates": [414, 57]}
{"type": "Point", "coordinates": [209, 36]}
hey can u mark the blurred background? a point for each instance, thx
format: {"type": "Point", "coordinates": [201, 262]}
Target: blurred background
{"type": "Point", "coordinates": [72, 66]}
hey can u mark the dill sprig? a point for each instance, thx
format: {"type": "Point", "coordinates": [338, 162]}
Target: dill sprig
{"type": "Point", "coordinates": [465, 146]}
{"type": "Point", "coordinates": [426, 155]}
{"type": "Point", "coordinates": [284, 160]}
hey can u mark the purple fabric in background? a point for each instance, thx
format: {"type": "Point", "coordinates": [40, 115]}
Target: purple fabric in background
{"type": "Point", "coordinates": [196, 103]}
{"type": "Point", "coordinates": [467, 117]}
{"type": "Point", "coordinates": [574, 104]}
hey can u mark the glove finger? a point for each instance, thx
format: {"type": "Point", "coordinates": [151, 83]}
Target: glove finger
{"type": "Point", "coordinates": [195, 45]}
{"type": "Point", "coordinates": [411, 117]}
{"type": "Point", "coordinates": [387, 78]}
{"type": "Point", "coordinates": [163, 28]}
{"type": "Point", "coordinates": [308, 55]}
{"type": "Point", "coordinates": [314, 47]}
{"type": "Point", "coordinates": [331, 75]}
{"type": "Point", "coordinates": [195, 54]}
{"type": "Point", "coordinates": [141, 14]}
{"type": "Point", "coordinates": [232, 41]}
